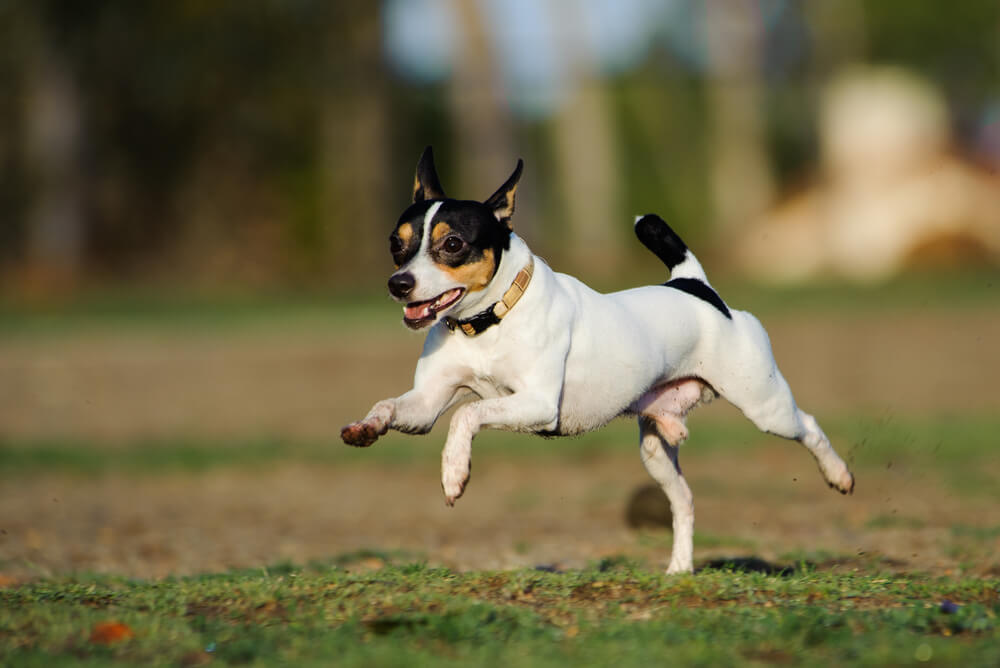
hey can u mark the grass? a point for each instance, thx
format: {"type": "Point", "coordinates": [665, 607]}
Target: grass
{"type": "Point", "coordinates": [161, 310]}
{"type": "Point", "coordinates": [960, 448]}
{"type": "Point", "coordinates": [164, 312]}
{"type": "Point", "coordinates": [914, 291]}
{"type": "Point", "coordinates": [370, 611]}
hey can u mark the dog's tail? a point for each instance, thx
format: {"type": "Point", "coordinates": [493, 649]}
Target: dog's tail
{"type": "Point", "coordinates": [656, 235]}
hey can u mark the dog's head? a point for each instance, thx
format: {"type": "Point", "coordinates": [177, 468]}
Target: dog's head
{"type": "Point", "coordinates": [444, 249]}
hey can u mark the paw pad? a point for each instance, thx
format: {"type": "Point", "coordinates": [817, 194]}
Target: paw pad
{"type": "Point", "coordinates": [360, 434]}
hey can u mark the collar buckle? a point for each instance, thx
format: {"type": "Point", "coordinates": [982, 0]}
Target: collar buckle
{"type": "Point", "coordinates": [485, 319]}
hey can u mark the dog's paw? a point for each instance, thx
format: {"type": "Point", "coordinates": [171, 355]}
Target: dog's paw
{"type": "Point", "coordinates": [453, 484]}
{"type": "Point", "coordinates": [845, 484]}
{"type": "Point", "coordinates": [364, 433]}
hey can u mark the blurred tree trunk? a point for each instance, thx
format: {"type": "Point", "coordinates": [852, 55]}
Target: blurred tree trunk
{"type": "Point", "coordinates": [741, 183]}
{"type": "Point", "coordinates": [484, 136]}
{"type": "Point", "coordinates": [52, 148]}
{"type": "Point", "coordinates": [586, 153]}
{"type": "Point", "coordinates": [354, 149]}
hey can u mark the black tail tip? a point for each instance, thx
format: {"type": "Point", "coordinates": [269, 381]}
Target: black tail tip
{"type": "Point", "coordinates": [649, 219]}
{"type": "Point", "coordinates": [657, 236]}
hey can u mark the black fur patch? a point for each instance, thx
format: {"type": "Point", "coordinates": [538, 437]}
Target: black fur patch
{"type": "Point", "coordinates": [477, 226]}
{"type": "Point", "coordinates": [414, 215]}
{"type": "Point", "coordinates": [701, 290]}
{"type": "Point", "coordinates": [473, 221]}
{"type": "Point", "coordinates": [426, 185]}
{"type": "Point", "coordinates": [657, 236]}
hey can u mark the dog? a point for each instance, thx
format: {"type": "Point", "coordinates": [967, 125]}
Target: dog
{"type": "Point", "coordinates": [523, 348]}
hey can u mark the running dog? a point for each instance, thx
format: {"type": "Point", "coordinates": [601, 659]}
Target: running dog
{"type": "Point", "coordinates": [524, 348]}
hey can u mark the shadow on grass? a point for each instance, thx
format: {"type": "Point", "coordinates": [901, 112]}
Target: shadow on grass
{"type": "Point", "coordinates": [755, 565]}
{"type": "Point", "coordinates": [817, 563]}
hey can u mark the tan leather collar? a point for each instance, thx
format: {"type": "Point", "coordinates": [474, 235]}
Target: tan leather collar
{"type": "Point", "coordinates": [483, 320]}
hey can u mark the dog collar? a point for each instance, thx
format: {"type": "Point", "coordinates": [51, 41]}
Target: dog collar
{"type": "Point", "coordinates": [483, 320]}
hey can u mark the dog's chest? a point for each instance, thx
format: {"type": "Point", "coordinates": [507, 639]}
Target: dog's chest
{"type": "Point", "coordinates": [486, 368]}
{"type": "Point", "coordinates": [488, 387]}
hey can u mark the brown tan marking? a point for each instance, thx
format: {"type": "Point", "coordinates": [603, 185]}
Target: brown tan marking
{"type": "Point", "coordinates": [506, 210]}
{"type": "Point", "coordinates": [475, 275]}
{"type": "Point", "coordinates": [502, 201]}
{"type": "Point", "coordinates": [440, 231]}
{"type": "Point", "coordinates": [405, 233]}
{"type": "Point", "coordinates": [418, 188]}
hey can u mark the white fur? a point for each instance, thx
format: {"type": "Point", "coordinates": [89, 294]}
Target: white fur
{"type": "Point", "coordinates": [570, 359]}
{"type": "Point", "coordinates": [431, 281]}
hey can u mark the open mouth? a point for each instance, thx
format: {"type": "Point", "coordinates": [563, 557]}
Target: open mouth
{"type": "Point", "coordinates": [421, 314]}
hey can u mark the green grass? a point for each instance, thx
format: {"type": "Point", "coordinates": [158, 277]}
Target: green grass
{"type": "Point", "coordinates": [159, 456]}
{"type": "Point", "coordinates": [162, 310]}
{"type": "Point", "coordinates": [408, 614]}
{"type": "Point", "coordinates": [962, 449]}
{"type": "Point", "coordinates": [166, 313]}
{"type": "Point", "coordinates": [913, 291]}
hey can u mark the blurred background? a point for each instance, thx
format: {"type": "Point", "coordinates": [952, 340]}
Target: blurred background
{"type": "Point", "coordinates": [229, 144]}
{"type": "Point", "coordinates": [194, 207]}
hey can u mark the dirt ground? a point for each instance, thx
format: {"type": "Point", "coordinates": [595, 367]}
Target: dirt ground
{"type": "Point", "coordinates": [521, 511]}
{"type": "Point", "coordinates": [765, 504]}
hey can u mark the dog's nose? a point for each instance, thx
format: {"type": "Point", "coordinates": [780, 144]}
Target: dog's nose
{"type": "Point", "coordinates": [401, 285]}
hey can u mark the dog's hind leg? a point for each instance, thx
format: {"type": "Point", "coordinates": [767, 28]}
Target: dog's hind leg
{"type": "Point", "coordinates": [660, 459]}
{"type": "Point", "coordinates": [830, 464]}
{"type": "Point", "coordinates": [770, 406]}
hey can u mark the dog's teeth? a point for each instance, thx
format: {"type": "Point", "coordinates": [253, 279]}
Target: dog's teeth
{"type": "Point", "coordinates": [445, 298]}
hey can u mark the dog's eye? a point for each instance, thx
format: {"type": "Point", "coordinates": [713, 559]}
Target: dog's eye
{"type": "Point", "coordinates": [395, 245]}
{"type": "Point", "coordinates": [453, 244]}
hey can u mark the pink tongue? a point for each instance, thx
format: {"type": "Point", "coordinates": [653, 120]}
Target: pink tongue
{"type": "Point", "coordinates": [417, 311]}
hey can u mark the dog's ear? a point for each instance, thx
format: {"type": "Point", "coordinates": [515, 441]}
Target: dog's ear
{"type": "Point", "coordinates": [426, 184]}
{"type": "Point", "coordinates": [502, 201]}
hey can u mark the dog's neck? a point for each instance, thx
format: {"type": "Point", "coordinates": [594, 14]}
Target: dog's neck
{"type": "Point", "coordinates": [513, 260]}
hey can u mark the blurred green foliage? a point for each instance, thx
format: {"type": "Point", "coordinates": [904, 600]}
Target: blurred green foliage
{"type": "Point", "coordinates": [272, 142]}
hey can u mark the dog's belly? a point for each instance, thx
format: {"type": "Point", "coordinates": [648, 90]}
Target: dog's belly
{"type": "Point", "coordinates": [590, 406]}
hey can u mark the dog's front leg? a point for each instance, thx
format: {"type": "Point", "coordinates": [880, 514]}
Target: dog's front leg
{"type": "Point", "coordinates": [364, 432]}
{"type": "Point", "coordinates": [414, 413]}
{"type": "Point", "coordinates": [519, 411]}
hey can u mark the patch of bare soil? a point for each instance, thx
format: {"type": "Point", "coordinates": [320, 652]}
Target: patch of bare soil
{"type": "Point", "coordinates": [763, 503]}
